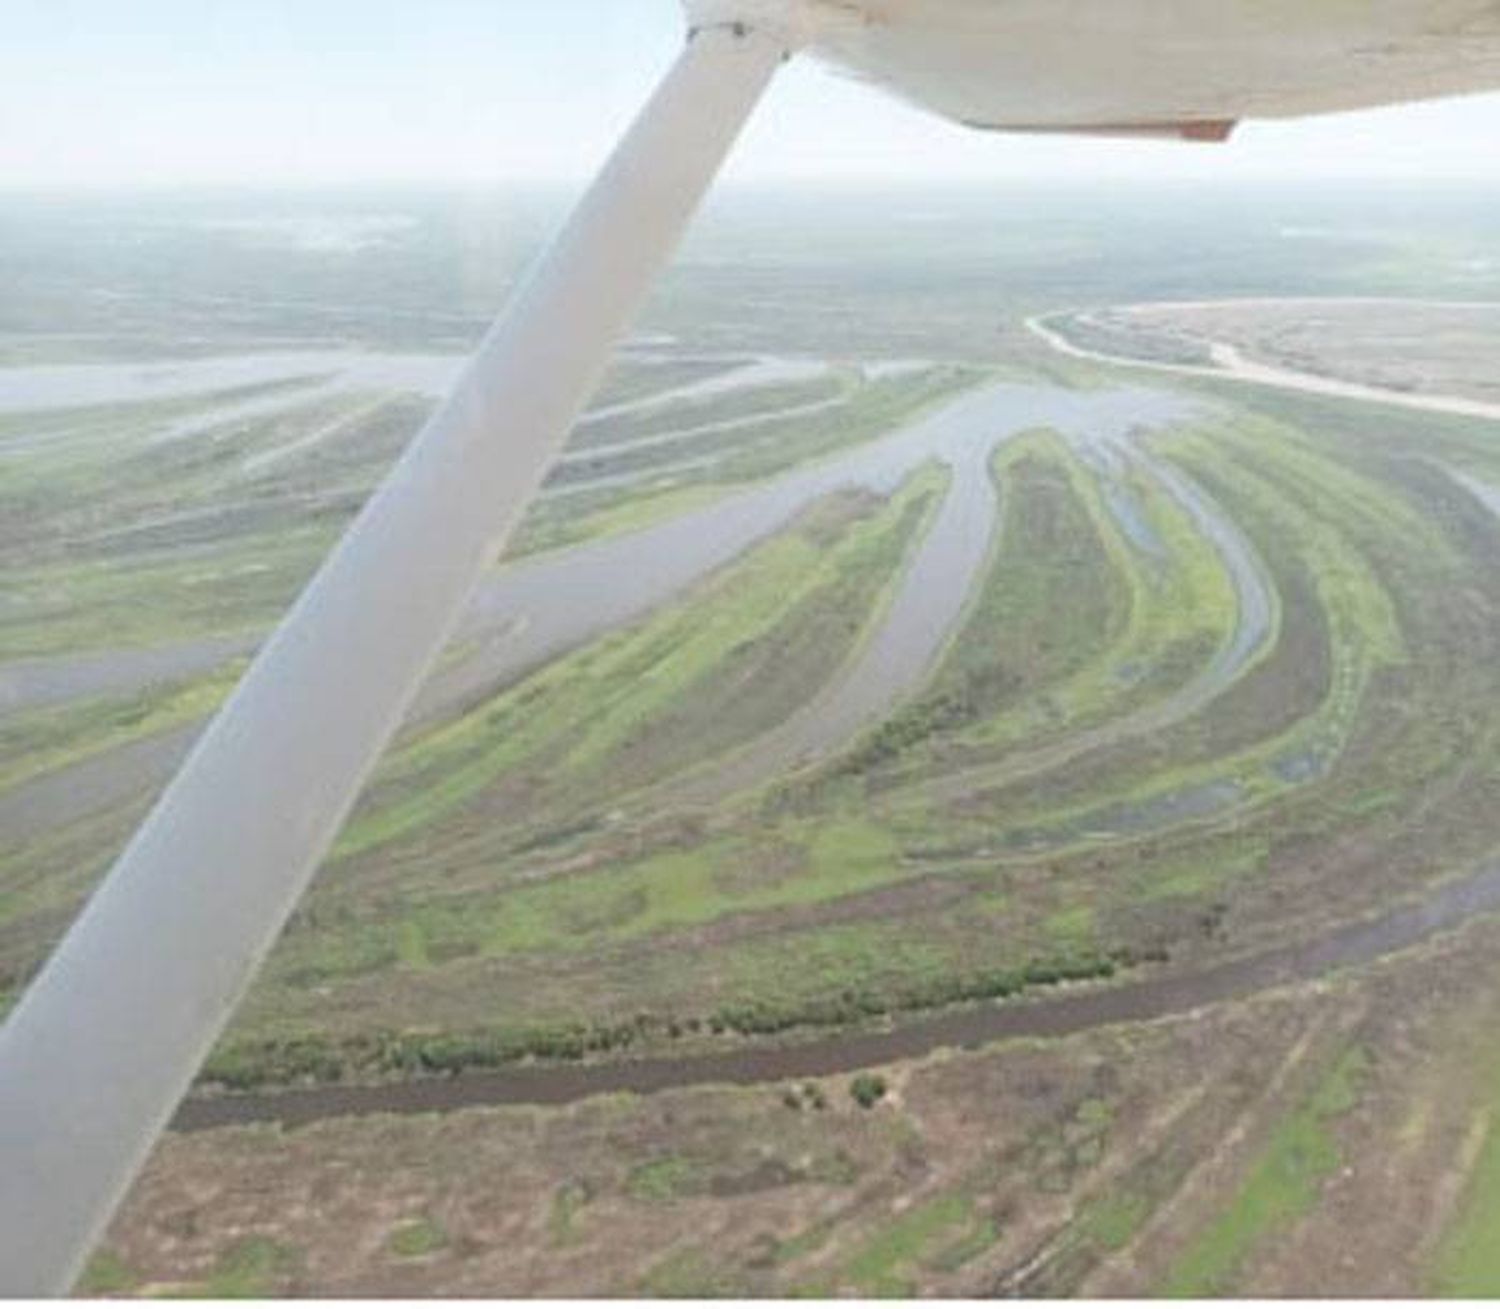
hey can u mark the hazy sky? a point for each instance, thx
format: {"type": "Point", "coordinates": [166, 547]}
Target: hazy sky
{"type": "Point", "coordinates": [161, 91]}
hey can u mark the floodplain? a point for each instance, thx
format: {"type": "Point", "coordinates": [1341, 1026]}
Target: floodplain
{"type": "Point", "coordinates": [924, 806]}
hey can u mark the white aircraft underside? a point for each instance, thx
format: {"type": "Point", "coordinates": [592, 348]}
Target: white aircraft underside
{"type": "Point", "coordinates": [1176, 67]}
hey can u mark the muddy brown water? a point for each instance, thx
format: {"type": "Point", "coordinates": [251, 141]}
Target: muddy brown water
{"type": "Point", "coordinates": [1062, 1014]}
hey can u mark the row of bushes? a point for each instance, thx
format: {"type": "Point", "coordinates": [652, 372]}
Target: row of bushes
{"type": "Point", "coordinates": [851, 1005]}
{"type": "Point", "coordinates": [281, 1061]}
{"type": "Point", "coordinates": [254, 1065]}
{"type": "Point", "coordinates": [975, 696]}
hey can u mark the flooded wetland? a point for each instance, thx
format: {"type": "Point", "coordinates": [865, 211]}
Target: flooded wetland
{"type": "Point", "coordinates": [971, 792]}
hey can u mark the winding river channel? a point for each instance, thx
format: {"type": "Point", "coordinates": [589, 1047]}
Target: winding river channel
{"type": "Point", "coordinates": [939, 579]}
{"type": "Point", "coordinates": [536, 609]}
{"type": "Point", "coordinates": [539, 608]}
{"type": "Point", "coordinates": [1063, 1013]}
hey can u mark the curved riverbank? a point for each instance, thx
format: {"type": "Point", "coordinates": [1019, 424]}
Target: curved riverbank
{"type": "Point", "coordinates": [1445, 907]}
{"type": "Point", "coordinates": [1231, 364]}
{"type": "Point", "coordinates": [539, 608]}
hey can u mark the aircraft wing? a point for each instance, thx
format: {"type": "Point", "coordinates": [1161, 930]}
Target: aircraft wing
{"type": "Point", "coordinates": [1188, 68]}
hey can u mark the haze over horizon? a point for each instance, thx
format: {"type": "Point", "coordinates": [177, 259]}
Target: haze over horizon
{"type": "Point", "coordinates": [462, 91]}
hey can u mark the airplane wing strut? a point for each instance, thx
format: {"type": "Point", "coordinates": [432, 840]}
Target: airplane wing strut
{"type": "Point", "coordinates": [111, 1033]}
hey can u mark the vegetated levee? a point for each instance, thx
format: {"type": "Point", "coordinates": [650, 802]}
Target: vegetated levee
{"type": "Point", "coordinates": [1347, 765]}
{"type": "Point", "coordinates": [524, 615]}
{"type": "Point", "coordinates": [535, 610]}
{"type": "Point", "coordinates": [1203, 676]}
{"type": "Point", "coordinates": [1447, 907]}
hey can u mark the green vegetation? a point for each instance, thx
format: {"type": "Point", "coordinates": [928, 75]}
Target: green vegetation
{"type": "Point", "coordinates": [1166, 610]}
{"type": "Point", "coordinates": [631, 379]}
{"type": "Point", "coordinates": [1056, 593]}
{"type": "Point", "coordinates": [1048, 601]}
{"type": "Point", "coordinates": [795, 600]}
{"type": "Point", "coordinates": [107, 1274]}
{"type": "Point", "coordinates": [1205, 870]}
{"type": "Point", "coordinates": [796, 865]}
{"type": "Point", "coordinates": [965, 1248]}
{"type": "Point", "coordinates": [1469, 1263]}
{"type": "Point", "coordinates": [242, 1064]}
{"type": "Point", "coordinates": [1468, 1260]}
{"type": "Point", "coordinates": [46, 740]}
{"type": "Point", "coordinates": [515, 883]}
{"type": "Point", "coordinates": [571, 524]}
{"type": "Point", "coordinates": [806, 1242]}
{"type": "Point", "coordinates": [121, 602]}
{"type": "Point", "coordinates": [1282, 1185]}
{"type": "Point", "coordinates": [1102, 772]}
{"type": "Point", "coordinates": [1135, 867]}
{"type": "Point", "coordinates": [1064, 1150]}
{"type": "Point", "coordinates": [884, 1264]}
{"type": "Point", "coordinates": [668, 1178]}
{"type": "Point", "coordinates": [1360, 636]}
{"type": "Point", "coordinates": [1074, 628]}
{"type": "Point", "coordinates": [688, 1275]}
{"type": "Point", "coordinates": [724, 407]}
{"type": "Point", "coordinates": [417, 1238]}
{"type": "Point", "coordinates": [878, 406]}
{"type": "Point", "coordinates": [255, 1268]}
{"type": "Point", "coordinates": [1114, 1219]}
{"type": "Point", "coordinates": [568, 1202]}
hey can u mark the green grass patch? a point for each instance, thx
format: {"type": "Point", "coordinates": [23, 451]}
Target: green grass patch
{"type": "Point", "coordinates": [794, 864]}
{"type": "Point", "coordinates": [687, 888]}
{"type": "Point", "coordinates": [568, 1202]}
{"type": "Point", "coordinates": [689, 1275]}
{"type": "Point", "coordinates": [1468, 1260]}
{"type": "Point", "coordinates": [106, 1274]}
{"type": "Point", "coordinates": [252, 1269]}
{"type": "Point", "coordinates": [1468, 1265]}
{"type": "Point", "coordinates": [1156, 622]}
{"type": "Point", "coordinates": [417, 1238]}
{"type": "Point", "coordinates": [672, 1177]}
{"type": "Point", "coordinates": [869, 410]}
{"type": "Point", "coordinates": [968, 1247]}
{"type": "Point", "coordinates": [108, 604]}
{"type": "Point", "coordinates": [886, 1263]}
{"type": "Point", "coordinates": [1113, 1220]}
{"type": "Point", "coordinates": [1276, 476]}
{"type": "Point", "coordinates": [1282, 1186]}
{"type": "Point", "coordinates": [803, 965]}
{"type": "Point", "coordinates": [806, 1242]}
{"type": "Point", "coordinates": [1204, 871]}
{"type": "Point", "coordinates": [1077, 925]}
